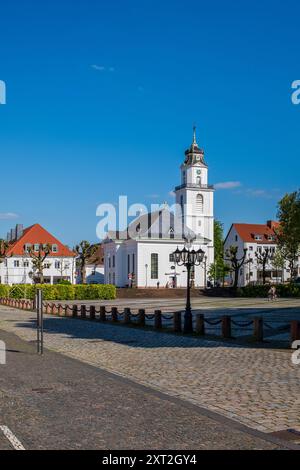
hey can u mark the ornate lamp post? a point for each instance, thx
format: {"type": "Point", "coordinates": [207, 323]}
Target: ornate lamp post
{"type": "Point", "coordinates": [188, 258]}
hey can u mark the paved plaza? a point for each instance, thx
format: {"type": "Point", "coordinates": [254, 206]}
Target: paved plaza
{"type": "Point", "coordinates": [55, 402]}
{"type": "Point", "coordinates": [255, 386]}
{"type": "Point", "coordinates": [277, 315]}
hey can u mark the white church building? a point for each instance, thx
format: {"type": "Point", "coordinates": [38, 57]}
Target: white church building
{"type": "Point", "coordinates": [142, 254]}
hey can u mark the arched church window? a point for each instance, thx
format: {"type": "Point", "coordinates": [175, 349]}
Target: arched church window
{"type": "Point", "coordinates": [199, 203]}
{"type": "Point", "coordinates": [199, 180]}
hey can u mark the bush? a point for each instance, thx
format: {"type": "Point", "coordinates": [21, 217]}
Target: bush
{"type": "Point", "coordinates": [64, 282]}
{"type": "Point", "coordinates": [283, 290]}
{"type": "Point", "coordinates": [21, 291]}
{"type": "Point", "coordinates": [65, 292]}
{"type": "Point", "coordinates": [95, 291]}
{"type": "Point", "coordinates": [4, 291]}
{"type": "Point", "coordinates": [55, 292]}
{"type": "Point", "coordinates": [60, 291]}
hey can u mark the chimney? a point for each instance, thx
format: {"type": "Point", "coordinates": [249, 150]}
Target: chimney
{"type": "Point", "coordinates": [19, 231]}
{"type": "Point", "coordinates": [272, 224]}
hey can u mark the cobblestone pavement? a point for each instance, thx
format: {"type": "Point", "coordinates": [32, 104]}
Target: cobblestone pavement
{"type": "Point", "coordinates": [56, 402]}
{"type": "Point", "coordinates": [277, 315]}
{"type": "Point", "coordinates": [198, 303]}
{"type": "Point", "coordinates": [254, 386]}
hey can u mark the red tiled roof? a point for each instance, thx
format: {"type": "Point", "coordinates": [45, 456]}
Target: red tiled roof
{"type": "Point", "coordinates": [36, 234]}
{"type": "Point", "coordinates": [247, 232]}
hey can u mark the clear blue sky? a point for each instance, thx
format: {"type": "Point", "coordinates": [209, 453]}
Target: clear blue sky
{"type": "Point", "coordinates": [102, 96]}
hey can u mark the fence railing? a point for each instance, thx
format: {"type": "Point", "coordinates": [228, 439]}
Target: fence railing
{"type": "Point", "coordinates": [227, 325]}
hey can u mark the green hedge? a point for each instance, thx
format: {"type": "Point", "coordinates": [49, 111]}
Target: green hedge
{"type": "Point", "coordinates": [4, 290]}
{"type": "Point", "coordinates": [94, 291]}
{"type": "Point", "coordinates": [60, 291]}
{"type": "Point", "coordinates": [283, 290]}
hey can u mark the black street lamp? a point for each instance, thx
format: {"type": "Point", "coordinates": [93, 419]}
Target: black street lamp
{"type": "Point", "coordinates": [189, 259]}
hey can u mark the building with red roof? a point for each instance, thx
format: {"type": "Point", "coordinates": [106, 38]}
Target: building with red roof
{"type": "Point", "coordinates": [23, 244]}
{"type": "Point", "coordinates": [256, 239]}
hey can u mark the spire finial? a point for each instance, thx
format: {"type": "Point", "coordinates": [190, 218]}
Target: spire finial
{"type": "Point", "coordinates": [194, 135]}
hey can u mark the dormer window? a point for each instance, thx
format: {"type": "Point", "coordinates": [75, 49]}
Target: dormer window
{"type": "Point", "coordinates": [54, 248]}
{"type": "Point", "coordinates": [37, 247]}
{"type": "Point", "coordinates": [271, 238]}
{"type": "Point", "coordinates": [258, 237]}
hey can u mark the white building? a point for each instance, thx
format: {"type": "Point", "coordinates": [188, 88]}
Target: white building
{"type": "Point", "coordinates": [142, 254]}
{"type": "Point", "coordinates": [17, 266]}
{"type": "Point", "coordinates": [256, 238]}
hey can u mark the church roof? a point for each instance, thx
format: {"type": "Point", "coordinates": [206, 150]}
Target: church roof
{"type": "Point", "coordinates": [161, 224]}
{"type": "Point", "coordinates": [194, 154]}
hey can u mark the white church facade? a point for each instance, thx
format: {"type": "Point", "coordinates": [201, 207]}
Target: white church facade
{"type": "Point", "coordinates": [142, 255]}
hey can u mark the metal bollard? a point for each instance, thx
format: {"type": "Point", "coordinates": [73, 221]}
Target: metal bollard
{"type": "Point", "coordinates": [83, 312]}
{"type": "Point", "coordinates": [92, 312]}
{"type": "Point", "coordinates": [54, 309]}
{"type": "Point", "coordinates": [102, 314]}
{"type": "Point", "coordinates": [61, 310]}
{"type": "Point", "coordinates": [200, 324]}
{"type": "Point", "coordinates": [75, 311]}
{"type": "Point", "coordinates": [127, 316]}
{"type": "Point", "coordinates": [295, 330]}
{"type": "Point", "coordinates": [157, 320]}
{"type": "Point", "coordinates": [141, 317]}
{"type": "Point", "coordinates": [114, 314]}
{"type": "Point", "coordinates": [226, 326]}
{"type": "Point", "coordinates": [177, 322]}
{"type": "Point", "coordinates": [258, 331]}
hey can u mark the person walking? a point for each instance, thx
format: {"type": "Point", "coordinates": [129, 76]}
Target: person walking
{"type": "Point", "coordinates": [272, 294]}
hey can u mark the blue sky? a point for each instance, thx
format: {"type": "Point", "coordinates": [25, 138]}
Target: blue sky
{"type": "Point", "coordinates": [102, 96]}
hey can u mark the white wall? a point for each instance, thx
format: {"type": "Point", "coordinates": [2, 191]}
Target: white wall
{"type": "Point", "coordinates": [164, 249]}
{"type": "Point", "coordinates": [117, 272]}
{"type": "Point", "coordinates": [94, 274]}
{"type": "Point", "coordinates": [19, 275]}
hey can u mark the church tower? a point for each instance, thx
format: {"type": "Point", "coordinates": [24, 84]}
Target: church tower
{"type": "Point", "coordinates": [195, 196]}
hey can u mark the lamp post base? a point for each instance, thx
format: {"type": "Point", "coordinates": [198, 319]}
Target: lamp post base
{"type": "Point", "coordinates": [188, 322]}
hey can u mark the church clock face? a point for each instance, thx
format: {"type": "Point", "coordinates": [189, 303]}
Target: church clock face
{"type": "Point", "coordinates": [198, 172]}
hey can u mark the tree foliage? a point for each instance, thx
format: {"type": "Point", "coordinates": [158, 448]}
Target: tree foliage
{"type": "Point", "coordinates": [288, 233]}
{"type": "Point", "coordinates": [218, 269]}
{"type": "Point", "coordinates": [4, 247]}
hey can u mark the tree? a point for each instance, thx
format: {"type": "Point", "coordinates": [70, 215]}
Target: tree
{"type": "Point", "coordinates": [38, 258]}
{"type": "Point", "coordinates": [288, 232]}
{"type": "Point", "coordinates": [218, 269]}
{"type": "Point", "coordinates": [4, 247]}
{"type": "Point", "coordinates": [278, 263]}
{"type": "Point", "coordinates": [236, 262]}
{"type": "Point", "coordinates": [84, 250]}
{"type": "Point", "coordinates": [263, 257]}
